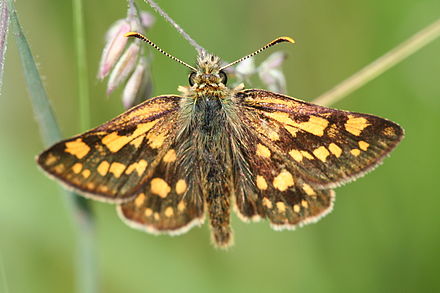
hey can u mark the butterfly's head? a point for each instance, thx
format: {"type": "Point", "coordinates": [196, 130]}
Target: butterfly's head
{"type": "Point", "coordinates": [208, 73]}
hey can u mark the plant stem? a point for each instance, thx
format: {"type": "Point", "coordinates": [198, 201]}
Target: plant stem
{"type": "Point", "coordinates": [50, 133]}
{"type": "Point", "coordinates": [81, 61]}
{"type": "Point", "coordinates": [171, 21]}
{"type": "Point", "coordinates": [4, 25]}
{"type": "Point", "coordinates": [86, 270]}
{"type": "Point", "coordinates": [376, 68]}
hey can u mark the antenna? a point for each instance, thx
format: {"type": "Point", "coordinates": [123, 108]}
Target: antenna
{"type": "Point", "coordinates": [145, 39]}
{"type": "Point", "coordinates": [274, 42]}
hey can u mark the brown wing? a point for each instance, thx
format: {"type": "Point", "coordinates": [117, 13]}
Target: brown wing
{"type": "Point", "coordinates": [294, 152]}
{"type": "Point", "coordinates": [109, 163]}
{"type": "Point", "coordinates": [324, 146]}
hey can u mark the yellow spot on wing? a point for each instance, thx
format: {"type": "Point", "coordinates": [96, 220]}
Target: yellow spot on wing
{"type": "Point", "coordinates": [316, 125]}
{"type": "Point", "coordinates": [355, 125]}
{"type": "Point", "coordinates": [156, 216]}
{"type": "Point", "coordinates": [309, 190]}
{"type": "Point", "coordinates": [139, 200]}
{"type": "Point", "coordinates": [363, 145]}
{"type": "Point", "coordinates": [102, 188]}
{"type": "Point", "coordinates": [156, 140]}
{"type": "Point", "coordinates": [296, 155]}
{"type": "Point", "coordinates": [137, 141]}
{"type": "Point", "coordinates": [305, 204]}
{"type": "Point", "coordinates": [272, 101]}
{"type": "Point", "coordinates": [281, 117]}
{"type": "Point", "coordinates": [138, 166]}
{"type": "Point", "coordinates": [263, 151]}
{"type": "Point", "coordinates": [142, 164]}
{"type": "Point", "coordinates": [148, 212]}
{"type": "Point", "coordinates": [169, 212]}
{"type": "Point", "coordinates": [59, 168]}
{"type": "Point", "coordinates": [261, 183]}
{"type": "Point", "coordinates": [321, 153]}
{"type": "Point", "coordinates": [267, 203]}
{"type": "Point", "coordinates": [103, 168]}
{"type": "Point", "coordinates": [283, 181]}
{"type": "Point", "coordinates": [50, 159]}
{"type": "Point", "coordinates": [307, 155]}
{"type": "Point", "coordinates": [355, 152]}
{"type": "Point", "coordinates": [77, 168]}
{"type": "Point", "coordinates": [281, 206]}
{"type": "Point", "coordinates": [335, 150]}
{"type": "Point", "coordinates": [114, 142]}
{"type": "Point", "coordinates": [292, 130]}
{"type": "Point", "coordinates": [389, 131]}
{"type": "Point", "coordinates": [117, 169]}
{"type": "Point", "coordinates": [181, 186]}
{"type": "Point", "coordinates": [181, 206]}
{"type": "Point", "coordinates": [170, 156]}
{"type": "Point", "coordinates": [86, 173]}
{"type": "Point", "coordinates": [78, 148]}
{"type": "Point", "coordinates": [160, 187]}
{"type": "Point", "coordinates": [296, 208]}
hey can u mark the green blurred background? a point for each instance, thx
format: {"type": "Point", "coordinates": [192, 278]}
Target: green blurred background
{"type": "Point", "coordinates": [383, 235]}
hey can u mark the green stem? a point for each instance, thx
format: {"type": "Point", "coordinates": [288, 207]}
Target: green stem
{"type": "Point", "coordinates": [81, 59]}
{"type": "Point", "coordinates": [80, 210]}
{"type": "Point", "coordinates": [4, 24]}
{"type": "Point", "coordinates": [376, 68]}
{"type": "Point", "coordinates": [87, 276]}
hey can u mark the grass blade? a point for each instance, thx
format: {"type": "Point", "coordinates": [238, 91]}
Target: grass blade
{"type": "Point", "coordinates": [86, 269]}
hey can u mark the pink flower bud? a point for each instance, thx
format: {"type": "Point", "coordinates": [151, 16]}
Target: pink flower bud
{"type": "Point", "coordinates": [273, 61]}
{"type": "Point", "coordinates": [147, 19]}
{"type": "Point", "coordinates": [124, 67]}
{"type": "Point", "coordinates": [274, 80]}
{"type": "Point", "coordinates": [139, 85]}
{"type": "Point", "coordinates": [114, 47]}
{"type": "Point", "coordinates": [270, 73]}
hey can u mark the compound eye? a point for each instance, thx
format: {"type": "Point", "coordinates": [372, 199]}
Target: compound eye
{"type": "Point", "coordinates": [191, 78]}
{"type": "Point", "coordinates": [223, 77]}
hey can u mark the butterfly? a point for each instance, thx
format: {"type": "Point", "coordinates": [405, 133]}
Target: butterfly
{"type": "Point", "coordinates": [172, 160]}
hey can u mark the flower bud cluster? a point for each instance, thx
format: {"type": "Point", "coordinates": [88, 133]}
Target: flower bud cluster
{"type": "Point", "coordinates": [123, 61]}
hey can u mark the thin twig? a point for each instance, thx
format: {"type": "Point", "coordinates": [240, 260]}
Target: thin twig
{"type": "Point", "coordinates": [175, 25]}
{"type": "Point", "coordinates": [373, 70]}
{"type": "Point", "coordinates": [4, 25]}
{"type": "Point", "coordinates": [86, 271]}
{"type": "Point", "coordinates": [82, 74]}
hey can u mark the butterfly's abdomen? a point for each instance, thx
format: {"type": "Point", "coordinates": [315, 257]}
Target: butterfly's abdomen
{"type": "Point", "coordinates": [208, 160]}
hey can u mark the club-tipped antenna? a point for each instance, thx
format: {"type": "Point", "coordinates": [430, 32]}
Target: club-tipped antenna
{"type": "Point", "coordinates": [268, 45]}
{"type": "Point", "coordinates": [145, 39]}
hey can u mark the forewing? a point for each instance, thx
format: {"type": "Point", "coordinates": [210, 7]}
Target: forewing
{"type": "Point", "coordinates": [169, 202]}
{"type": "Point", "coordinates": [323, 146]}
{"type": "Point", "coordinates": [110, 162]}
